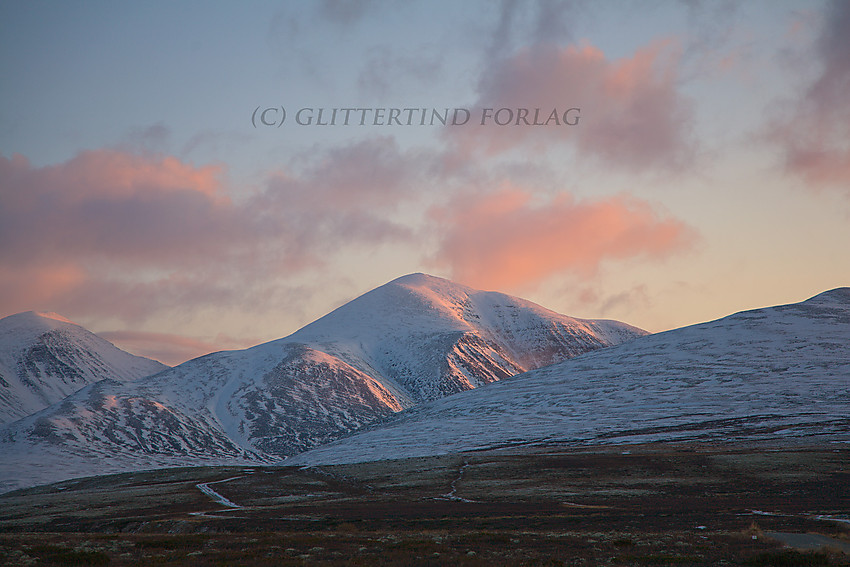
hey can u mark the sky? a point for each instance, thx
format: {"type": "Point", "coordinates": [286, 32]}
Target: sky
{"type": "Point", "coordinates": [186, 177]}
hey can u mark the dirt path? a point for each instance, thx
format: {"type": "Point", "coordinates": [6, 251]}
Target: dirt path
{"type": "Point", "coordinates": [205, 488]}
{"type": "Point", "coordinates": [452, 495]}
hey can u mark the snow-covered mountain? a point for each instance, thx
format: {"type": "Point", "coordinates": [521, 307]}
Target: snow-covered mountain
{"type": "Point", "coordinates": [45, 358]}
{"type": "Point", "coordinates": [780, 373]}
{"type": "Point", "coordinates": [414, 339]}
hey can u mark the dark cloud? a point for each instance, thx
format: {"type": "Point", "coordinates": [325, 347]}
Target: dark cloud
{"type": "Point", "coordinates": [151, 139]}
{"type": "Point", "coordinates": [812, 131]}
{"type": "Point", "coordinates": [346, 12]}
{"type": "Point", "coordinates": [553, 22]}
{"type": "Point", "coordinates": [710, 27]}
{"type": "Point", "coordinates": [344, 193]}
{"type": "Point", "coordinates": [387, 70]}
{"type": "Point", "coordinates": [532, 24]}
{"type": "Point", "coordinates": [636, 297]}
{"type": "Point", "coordinates": [501, 42]}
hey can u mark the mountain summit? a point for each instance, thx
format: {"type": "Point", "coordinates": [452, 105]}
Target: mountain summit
{"type": "Point", "coordinates": [414, 339]}
{"type": "Point", "coordinates": [44, 357]}
{"type": "Point", "coordinates": [428, 337]}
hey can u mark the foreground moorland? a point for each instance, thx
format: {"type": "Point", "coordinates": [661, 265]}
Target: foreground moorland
{"type": "Point", "coordinates": [628, 505]}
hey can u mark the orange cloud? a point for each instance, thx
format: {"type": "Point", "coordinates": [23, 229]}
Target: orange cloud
{"type": "Point", "coordinates": [506, 241]}
{"type": "Point", "coordinates": [37, 285]}
{"type": "Point", "coordinates": [170, 349]}
{"type": "Point", "coordinates": [120, 174]}
{"type": "Point", "coordinates": [632, 115]}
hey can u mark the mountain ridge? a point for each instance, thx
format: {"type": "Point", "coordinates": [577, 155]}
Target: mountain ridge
{"type": "Point", "coordinates": [777, 373]}
{"type": "Point", "coordinates": [413, 339]}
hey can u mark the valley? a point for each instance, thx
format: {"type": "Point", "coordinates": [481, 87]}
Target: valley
{"type": "Point", "coordinates": [652, 504]}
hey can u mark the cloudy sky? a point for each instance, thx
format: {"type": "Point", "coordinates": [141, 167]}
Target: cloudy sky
{"type": "Point", "coordinates": [159, 186]}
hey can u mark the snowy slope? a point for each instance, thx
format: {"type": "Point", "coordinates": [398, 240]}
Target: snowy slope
{"type": "Point", "coordinates": [45, 357]}
{"type": "Point", "coordinates": [416, 338]}
{"type": "Point", "coordinates": [774, 373]}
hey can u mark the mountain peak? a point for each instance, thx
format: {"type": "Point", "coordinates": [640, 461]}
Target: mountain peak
{"type": "Point", "coordinates": [34, 318]}
{"type": "Point", "coordinates": [415, 278]}
{"type": "Point", "coordinates": [45, 357]}
{"type": "Point", "coordinates": [420, 280]}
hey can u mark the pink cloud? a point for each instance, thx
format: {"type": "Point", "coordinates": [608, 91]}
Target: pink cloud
{"type": "Point", "coordinates": [116, 173]}
{"type": "Point", "coordinates": [819, 164]}
{"type": "Point", "coordinates": [110, 204]}
{"type": "Point", "coordinates": [125, 235]}
{"type": "Point", "coordinates": [632, 115]}
{"type": "Point", "coordinates": [506, 241]}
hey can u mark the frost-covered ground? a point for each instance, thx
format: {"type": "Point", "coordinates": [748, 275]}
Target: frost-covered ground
{"type": "Point", "coordinates": [773, 373]}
